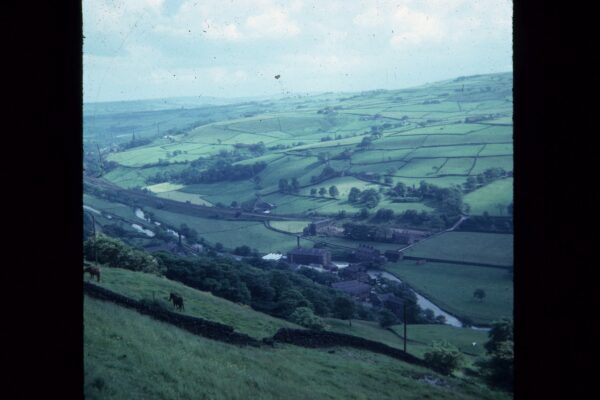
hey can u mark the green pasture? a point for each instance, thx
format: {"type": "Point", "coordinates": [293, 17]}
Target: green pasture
{"type": "Point", "coordinates": [224, 192]}
{"type": "Point", "coordinates": [484, 163]}
{"type": "Point", "coordinates": [486, 248]}
{"type": "Point", "coordinates": [244, 319]}
{"type": "Point", "coordinates": [447, 151]}
{"type": "Point", "coordinates": [459, 166]}
{"type": "Point", "coordinates": [184, 197]}
{"type": "Point", "coordinates": [419, 167]}
{"type": "Point", "coordinates": [290, 226]}
{"type": "Point", "coordinates": [130, 177]}
{"type": "Point", "coordinates": [451, 287]}
{"type": "Point", "coordinates": [230, 233]}
{"type": "Point", "coordinates": [164, 187]}
{"type": "Point", "coordinates": [376, 156]}
{"type": "Point", "coordinates": [497, 149]}
{"type": "Point", "coordinates": [128, 355]}
{"type": "Point", "coordinates": [493, 198]}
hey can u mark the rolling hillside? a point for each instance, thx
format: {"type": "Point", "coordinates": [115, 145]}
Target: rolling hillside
{"type": "Point", "coordinates": [134, 356]}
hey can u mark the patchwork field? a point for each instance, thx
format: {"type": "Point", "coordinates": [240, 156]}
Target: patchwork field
{"type": "Point", "coordinates": [423, 136]}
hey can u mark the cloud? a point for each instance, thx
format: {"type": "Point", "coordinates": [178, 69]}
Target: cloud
{"type": "Point", "coordinates": [414, 27]}
{"type": "Point", "coordinates": [274, 23]}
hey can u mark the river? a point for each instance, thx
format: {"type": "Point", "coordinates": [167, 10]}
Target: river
{"type": "Point", "coordinates": [425, 303]}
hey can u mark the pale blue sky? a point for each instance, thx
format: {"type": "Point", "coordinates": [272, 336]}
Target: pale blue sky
{"type": "Point", "coordinates": [139, 49]}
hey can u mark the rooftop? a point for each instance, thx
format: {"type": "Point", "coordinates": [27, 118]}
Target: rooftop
{"type": "Point", "coordinates": [308, 251]}
{"type": "Point", "coordinates": [352, 287]}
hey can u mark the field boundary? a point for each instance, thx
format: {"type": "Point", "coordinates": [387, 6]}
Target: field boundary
{"type": "Point", "coordinates": [226, 333]}
{"type": "Point", "coordinates": [197, 326]}
{"type": "Point", "coordinates": [315, 339]}
{"type": "Point", "coordinates": [468, 263]}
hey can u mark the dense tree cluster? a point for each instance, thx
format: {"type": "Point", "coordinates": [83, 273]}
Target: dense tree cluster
{"type": "Point", "coordinates": [117, 254]}
{"type": "Point", "coordinates": [369, 198]}
{"type": "Point", "coordinates": [487, 176]}
{"type": "Point", "coordinates": [327, 173]}
{"type": "Point", "coordinates": [220, 171]}
{"type": "Point", "coordinates": [487, 223]}
{"type": "Point", "coordinates": [275, 291]}
{"type": "Point", "coordinates": [292, 186]}
{"type": "Point", "coordinates": [498, 367]}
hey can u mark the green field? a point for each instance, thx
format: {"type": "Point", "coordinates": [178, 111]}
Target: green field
{"type": "Point", "coordinates": [493, 198]}
{"type": "Point", "coordinates": [184, 197]}
{"type": "Point", "coordinates": [451, 287]}
{"type": "Point", "coordinates": [487, 248]}
{"type": "Point", "coordinates": [290, 226]}
{"type": "Point", "coordinates": [128, 355]}
{"type": "Point", "coordinates": [418, 141]}
{"type": "Point", "coordinates": [164, 187]}
{"type": "Point", "coordinates": [230, 234]}
{"type": "Point", "coordinates": [139, 285]}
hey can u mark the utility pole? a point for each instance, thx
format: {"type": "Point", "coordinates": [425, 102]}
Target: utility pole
{"type": "Point", "coordinates": [405, 326]}
{"type": "Point", "coordinates": [94, 233]}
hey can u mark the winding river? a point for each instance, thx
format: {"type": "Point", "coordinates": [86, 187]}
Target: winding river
{"type": "Point", "coordinates": [423, 302]}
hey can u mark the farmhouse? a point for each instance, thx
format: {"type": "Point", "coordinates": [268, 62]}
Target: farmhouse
{"type": "Point", "coordinates": [368, 253]}
{"type": "Point", "coordinates": [318, 226]}
{"type": "Point", "coordinates": [306, 256]}
{"type": "Point", "coordinates": [354, 288]}
{"type": "Point", "coordinates": [258, 205]}
{"type": "Point", "coordinates": [355, 272]}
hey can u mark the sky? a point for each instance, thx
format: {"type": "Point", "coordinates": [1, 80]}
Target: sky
{"type": "Point", "coordinates": [145, 49]}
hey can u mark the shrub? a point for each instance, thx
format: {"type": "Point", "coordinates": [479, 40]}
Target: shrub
{"type": "Point", "coordinates": [305, 317]}
{"type": "Point", "coordinates": [444, 357]}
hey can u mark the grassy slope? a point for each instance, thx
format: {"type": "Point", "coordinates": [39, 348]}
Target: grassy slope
{"type": "Point", "coordinates": [201, 304]}
{"type": "Point", "coordinates": [493, 198]}
{"type": "Point", "coordinates": [132, 356]}
{"type": "Point", "coordinates": [489, 248]}
{"type": "Point", "coordinates": [451, 287]}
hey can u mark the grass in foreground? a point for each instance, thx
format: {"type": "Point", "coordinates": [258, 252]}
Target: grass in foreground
{"type": "Point", "coordinates": [131, 356]}
{"type": "Point", "coordinates": [244, 319]}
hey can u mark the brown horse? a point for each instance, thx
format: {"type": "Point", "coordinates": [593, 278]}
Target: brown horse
{"type": "Point", "coordinates": [93, 271]}
{"type": "Point", "coordinates": [177, 301]}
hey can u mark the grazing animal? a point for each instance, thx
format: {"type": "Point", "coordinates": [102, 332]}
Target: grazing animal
{"type": "Point", "coordinates": [93, 271]}
{"type": "Point", "coordinates": [177, 301]}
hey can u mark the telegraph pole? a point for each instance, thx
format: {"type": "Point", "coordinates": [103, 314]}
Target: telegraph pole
{"type": "Point", "coordinates": [94, 233]}
{"type": "Point", "coordinates": [405, 326]}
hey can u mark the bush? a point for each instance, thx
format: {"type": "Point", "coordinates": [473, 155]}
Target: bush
{"type": "Point", "coordinates": [444, 358]}
{"type": "Point", "coordinates": [117, 254]}
{"type": "Point", "coordinates": [305, 317]}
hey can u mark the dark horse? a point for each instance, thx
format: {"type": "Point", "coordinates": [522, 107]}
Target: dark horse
{"type": "Point", "coordinates": [93, 271]}
{"type": "Point", "coordinates": [177, 301]}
